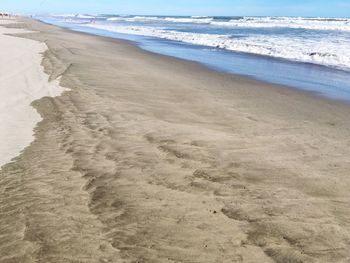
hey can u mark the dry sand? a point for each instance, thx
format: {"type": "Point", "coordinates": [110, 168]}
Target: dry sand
{"type": "Point", "coordinates": [22, 80]}
{"type": "Point", "coordinates": [153, 159]}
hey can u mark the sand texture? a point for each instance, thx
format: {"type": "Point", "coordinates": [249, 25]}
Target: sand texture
{"type": "Point", "coordinates": [152, 159]}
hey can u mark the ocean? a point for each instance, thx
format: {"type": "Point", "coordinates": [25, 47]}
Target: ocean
{"type": "Point", "coordinates": [311, 54]}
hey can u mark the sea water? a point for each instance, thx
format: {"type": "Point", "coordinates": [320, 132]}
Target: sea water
{"type": "Point", "coordinates": [311, 54]}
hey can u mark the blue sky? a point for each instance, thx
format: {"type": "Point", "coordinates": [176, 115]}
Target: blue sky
{"type": "Point", "coordinates": [325, 8]}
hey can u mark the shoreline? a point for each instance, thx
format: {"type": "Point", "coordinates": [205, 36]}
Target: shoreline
{"type": "Point", "coordinates": [323, 81]}
{"type": "Point", "coordinates": [318, 94]}
{"type": "Point", "coordinates": [150, 158]}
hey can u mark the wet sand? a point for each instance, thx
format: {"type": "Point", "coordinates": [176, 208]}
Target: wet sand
{"type": "Point", "coordinates": [153, 159]}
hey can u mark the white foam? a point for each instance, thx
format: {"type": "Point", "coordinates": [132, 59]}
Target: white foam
{"type": "Point", "coordinates": [338, 24]}
{"type": "Point", "coordinates": [113, 19]}
{"type": "Point", "coordinates": [194, 20]}
{"type": "Point", "coordinates": [63, 15]}
{"type": "Point", "coordinates": [85, 16]}
{"type": "Point", "coordinates": [74, 16]}
{"type": "Point", "coordinates": [135, 18]}
{"type": "Point", "coordinates": [334, 52]}
{"type": "Point", "coordinates": [331, 24]}
{"type": "Point", "coordinates": [22, 81]}
{"type": "Point", "coordinates": [197, 20]}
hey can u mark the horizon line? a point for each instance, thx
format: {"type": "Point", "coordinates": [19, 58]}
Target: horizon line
{"type": "Point", "coordinates": [183, 15]}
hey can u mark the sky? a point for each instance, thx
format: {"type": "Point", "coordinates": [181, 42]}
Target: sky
{"type": "Point", "coordinates": [315, 8]}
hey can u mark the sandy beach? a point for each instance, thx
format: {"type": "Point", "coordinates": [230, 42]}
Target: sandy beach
{"type": "Point", "coordinates": [148, 158]}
